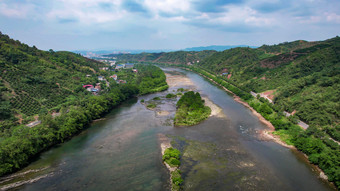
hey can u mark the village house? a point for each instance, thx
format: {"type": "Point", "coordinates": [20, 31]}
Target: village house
{"type": "Point", "coordinates": [121, 82]}
{"type": "Point", "coordinates": [88, 87]}
{"type": "Point", "coordinates": [119, 66]}
{"type": "Point", "coordinates": [114, 76]}
{"type": "Point", "coordinates": [101, 78]}
{"type": "Point", "coordinates": [112, 63]}
{"type": "Point", "coordinates": [135, 70]}
{"type": "Point", "coordinates": [88, 75]}
{"type": "Point", "coordinates": [104, 68]}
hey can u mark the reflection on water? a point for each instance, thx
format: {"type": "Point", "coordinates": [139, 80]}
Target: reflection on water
{"type": "Point", "coordinates": [122, 152]}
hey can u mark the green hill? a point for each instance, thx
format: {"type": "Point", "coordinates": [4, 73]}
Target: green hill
{"type": "Point", "coordinates": [286, 46]}
{"type": "Point", "coordinates": [33, 81]}
{"type": "Point", "coordinates": [305, 80]}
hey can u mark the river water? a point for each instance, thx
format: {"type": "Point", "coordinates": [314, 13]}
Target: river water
{"type": "Point", "coordinates": [122, 151]}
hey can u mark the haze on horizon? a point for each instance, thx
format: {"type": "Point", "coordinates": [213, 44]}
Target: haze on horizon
{"type": "Point", "coordinates": [166, 24]}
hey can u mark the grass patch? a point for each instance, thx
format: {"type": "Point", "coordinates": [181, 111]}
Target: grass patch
{"type": "Point", "coordinates": [180, 89]}
{"type": "Point", "coordinates": [285, 136]}
{"type": "Point", "coordinates": [156, 98]}
{"type": "Point", "coordinates": [170, 95]}
{"type": "Point", "coordinates": [151, 105]}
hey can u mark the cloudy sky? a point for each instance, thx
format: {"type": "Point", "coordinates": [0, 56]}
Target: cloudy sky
{"type": "Point", "coordinates": [166, 24]}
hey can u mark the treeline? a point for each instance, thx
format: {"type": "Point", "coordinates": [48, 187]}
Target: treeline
{"type": "Point", "coordinates": [191, 109]}
{"type": "Point", "coordinates": [22, 143]}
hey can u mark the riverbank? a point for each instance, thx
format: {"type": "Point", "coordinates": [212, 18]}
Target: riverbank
{"type": "Point", "coordinates": [267, 135]}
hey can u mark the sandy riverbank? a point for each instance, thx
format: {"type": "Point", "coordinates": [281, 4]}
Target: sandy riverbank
{"type": "Point", "coordinates": [215, 110]}
{"type": "Point", "coordinates": [264, 134]}
{"type": "Point", "coordinates": [178, 80]}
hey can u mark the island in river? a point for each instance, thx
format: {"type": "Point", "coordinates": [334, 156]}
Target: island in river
{"type": "Point", "coordinates": [191, 110]}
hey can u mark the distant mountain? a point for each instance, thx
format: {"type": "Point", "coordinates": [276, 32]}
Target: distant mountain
{"type": "Point", "coordinates": [216, 47]}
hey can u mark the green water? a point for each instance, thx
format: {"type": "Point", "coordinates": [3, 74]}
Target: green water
{"type": "Point", "coordinates": [122, 152]}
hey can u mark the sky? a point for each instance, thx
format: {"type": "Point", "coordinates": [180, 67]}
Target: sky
{"type": "Point", "coordinates": [166, 24]}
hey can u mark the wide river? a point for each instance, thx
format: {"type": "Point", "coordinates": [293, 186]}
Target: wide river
{"type": "Point", "coordinates": [122, 151]}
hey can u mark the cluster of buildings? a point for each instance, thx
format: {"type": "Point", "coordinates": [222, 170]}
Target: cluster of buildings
{"type": "Point", "coordinates": [124, 66]}
{"type": "Point", "coordinates": [96, 89]}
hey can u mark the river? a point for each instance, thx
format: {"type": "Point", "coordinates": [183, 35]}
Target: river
{"type": "Point", "coordinates": [122, 151]}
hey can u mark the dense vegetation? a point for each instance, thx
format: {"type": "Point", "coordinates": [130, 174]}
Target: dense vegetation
{"type": "Point", "coordinates": [178, 57]}
{"type": "Point", "coordinates": [303, 79]}
{"type": "Point", "coordinates": [172, 157]}
{"type": "Point", "coordinates": [49, 85]}
{"type": "Point", "coordinates": [150, 79]}
{"type": "Point", "coordinates": [191, 109]}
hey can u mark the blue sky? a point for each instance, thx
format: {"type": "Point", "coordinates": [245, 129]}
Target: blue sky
{"type": "Point", "coordinates": [166, 24]}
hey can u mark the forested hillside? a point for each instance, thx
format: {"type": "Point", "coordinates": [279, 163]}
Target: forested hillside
{"type": "Point", "coordinates": [34, 81]}
{"type": "Point", "coordinates": [178, 57]}
{"type": "Point", "coordinates": [305, 80]}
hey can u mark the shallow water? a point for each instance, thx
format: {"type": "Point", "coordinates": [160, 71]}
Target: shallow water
{"type": "Point", "coordinates": [122, 152]}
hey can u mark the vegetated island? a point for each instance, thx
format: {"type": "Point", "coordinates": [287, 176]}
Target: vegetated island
{"type": "Point", "coordinates": [191, 110]}
{"type": "Point", "coordinates": [171, 159]}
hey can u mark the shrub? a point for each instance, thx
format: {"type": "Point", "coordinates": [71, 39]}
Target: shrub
{"type": "Point", "coordinates": [156, 98]}
{"type": "Point", "coordinates": [151, 105]}
{"type": "Point", "coordinates": [170, 95]}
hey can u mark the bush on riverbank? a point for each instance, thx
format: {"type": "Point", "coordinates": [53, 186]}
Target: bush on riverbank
{"type": "Point", "coordinates": [172, 157]}
{"type": "Point", "coordinates": [176, 180]}
{"type": "Point", "coordinates": [191, 110]}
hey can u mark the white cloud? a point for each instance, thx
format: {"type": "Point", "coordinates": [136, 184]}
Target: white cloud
{"type": "Point", "coordinates": [16, 10]}
{"type": "Point", "coordinates": [333, 17]}
{"type": "Point", "coordinates": [240, 15]}
{"type": "Point", "coordinates": [88, 11]}
{"type": "Point", "coordinates": [167, 6]}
